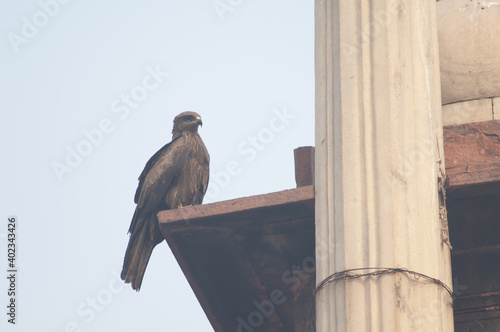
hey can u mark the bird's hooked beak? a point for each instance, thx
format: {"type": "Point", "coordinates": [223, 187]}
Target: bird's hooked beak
{"type": "Point", "coordinates": [198, 121]}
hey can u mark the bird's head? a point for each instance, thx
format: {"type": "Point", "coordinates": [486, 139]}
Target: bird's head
{"type": "Point", "coordinates": [186, 122]}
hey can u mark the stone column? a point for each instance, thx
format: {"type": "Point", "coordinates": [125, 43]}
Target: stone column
{"type": "Point", "coordinates": [379, 168]}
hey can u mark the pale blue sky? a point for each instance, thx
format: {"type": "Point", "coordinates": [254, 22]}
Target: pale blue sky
{"type": "Point", "coordinates": [104, 80]}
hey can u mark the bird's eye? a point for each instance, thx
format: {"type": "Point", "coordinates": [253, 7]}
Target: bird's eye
{"type": "Point", "coordinates": [189, 118]}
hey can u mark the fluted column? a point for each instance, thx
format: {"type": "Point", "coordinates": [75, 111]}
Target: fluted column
{"type": "Point", "coordinates": [379, 168]}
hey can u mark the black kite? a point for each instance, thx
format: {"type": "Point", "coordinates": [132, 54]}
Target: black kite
{"type": "Point", "coordinates": [174, 177]}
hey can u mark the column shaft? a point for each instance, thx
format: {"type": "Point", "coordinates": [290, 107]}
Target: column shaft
{"type": "Point", "coordinates": [378, 159]}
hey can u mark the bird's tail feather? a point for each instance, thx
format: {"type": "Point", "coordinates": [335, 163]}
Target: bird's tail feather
{"type": "Point", "coordinates": [140, 246]}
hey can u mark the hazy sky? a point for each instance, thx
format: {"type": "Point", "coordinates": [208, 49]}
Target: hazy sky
{"type": "Point", "coordinates": [89, 92]}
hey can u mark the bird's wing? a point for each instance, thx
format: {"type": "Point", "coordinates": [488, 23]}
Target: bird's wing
{"type": "Point", "coordinates": [160, 172]}
{"type": "Point", "coordinates": [204, 172]}
{"type": "Point", "coordinates": [146, 170]}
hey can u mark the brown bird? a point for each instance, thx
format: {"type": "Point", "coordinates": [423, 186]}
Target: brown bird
{"type": "Point", "coordinates": [174, 177]}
